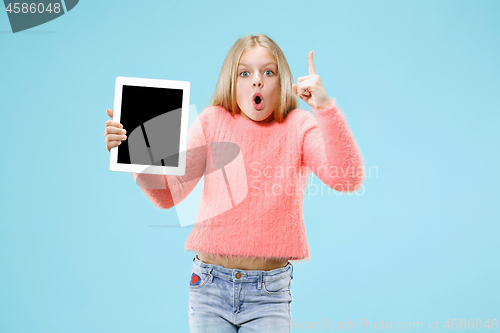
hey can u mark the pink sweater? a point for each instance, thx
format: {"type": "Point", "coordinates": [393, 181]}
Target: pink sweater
{"type": "Point", "coordinates": [255, 177]}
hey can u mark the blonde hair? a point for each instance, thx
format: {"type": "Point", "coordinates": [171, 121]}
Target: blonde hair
{"type": "Point", "coordinates": [225, 91]}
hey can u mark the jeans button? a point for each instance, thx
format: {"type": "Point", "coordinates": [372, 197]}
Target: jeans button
{"type": "Point", "coordinates": [238, 275]}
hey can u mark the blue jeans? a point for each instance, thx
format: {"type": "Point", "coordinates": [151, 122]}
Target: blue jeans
{"type": "Point", "coordinates": [223, 300]}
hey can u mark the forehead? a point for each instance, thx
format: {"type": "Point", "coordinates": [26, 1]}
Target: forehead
{"type": "Point", "coordinates": [257, 56]}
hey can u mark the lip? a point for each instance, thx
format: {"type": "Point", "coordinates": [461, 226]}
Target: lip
{"type": "Point", "coordinates": [257, 94]}
{"type": "Point", "coordinates": [262, 103]}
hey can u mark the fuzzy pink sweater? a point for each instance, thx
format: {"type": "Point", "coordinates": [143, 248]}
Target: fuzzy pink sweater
{"type": "Point", "coordinates": [255, 179]}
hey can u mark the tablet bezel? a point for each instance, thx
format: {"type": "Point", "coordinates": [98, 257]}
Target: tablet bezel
{"type": "Point", "coordinates": [180, 170]}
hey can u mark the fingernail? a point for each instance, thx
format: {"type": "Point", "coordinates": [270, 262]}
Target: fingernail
{"type": "Point", "coordinates": [124, 137]}
{"type": "Point", "coordinates": [124, 131]}
{"type": "Point", "coordinates": [119, 142]}
{"type": "Point", "coordinates": [121, 126]}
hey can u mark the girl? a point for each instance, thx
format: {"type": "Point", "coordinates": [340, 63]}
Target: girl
{"type": "Point", "coordinates": [250, 221]}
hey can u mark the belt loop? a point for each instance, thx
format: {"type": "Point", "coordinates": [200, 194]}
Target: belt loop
{"type": "Point", "coordinates": [291, 272]}
{"type": "Point", "coordinates": [259, 284]}
{"type": "Point", "coordinates": [211, 275]}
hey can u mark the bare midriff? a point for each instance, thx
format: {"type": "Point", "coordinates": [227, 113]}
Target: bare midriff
{"type": "Point", "coordinates": [245, 263]}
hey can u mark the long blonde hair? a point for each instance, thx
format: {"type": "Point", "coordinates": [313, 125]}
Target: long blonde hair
{"type": "Point", "coordinates": [225, 91]}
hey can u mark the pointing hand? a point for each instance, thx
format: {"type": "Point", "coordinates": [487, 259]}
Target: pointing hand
{"type": "Point", "coordinates": [310, 89]}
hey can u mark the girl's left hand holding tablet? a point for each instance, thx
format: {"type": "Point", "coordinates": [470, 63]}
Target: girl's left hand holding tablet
{"type": "Point", "coordinates": [310, 89]}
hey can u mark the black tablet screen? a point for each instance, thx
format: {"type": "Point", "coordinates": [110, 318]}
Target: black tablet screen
{"type": "Point", "coordinates": [152, 118]}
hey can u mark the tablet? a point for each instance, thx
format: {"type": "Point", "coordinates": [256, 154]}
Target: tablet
{"type": "Point", "coordinates": [155, 114]}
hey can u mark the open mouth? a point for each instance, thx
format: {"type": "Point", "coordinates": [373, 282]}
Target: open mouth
{"type": "Point", "coordinates": [258, 101]}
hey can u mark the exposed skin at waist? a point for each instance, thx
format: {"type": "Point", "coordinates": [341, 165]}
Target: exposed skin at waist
{"type": "Point", "coordinates": [246, 263]}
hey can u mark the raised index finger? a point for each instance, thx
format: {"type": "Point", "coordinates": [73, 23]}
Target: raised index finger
{"type": "Point", "coordinates": [312, 70]}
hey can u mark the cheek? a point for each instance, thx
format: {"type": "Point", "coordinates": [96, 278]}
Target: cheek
{"type": "Point", "coordinates": [241, 86]}
{"type": "Point", "coordinates": [275, 94]}
{"type": "Point", "coordinates": [275, 88]}
{"type": "Point", "coordinates": [239, 91]}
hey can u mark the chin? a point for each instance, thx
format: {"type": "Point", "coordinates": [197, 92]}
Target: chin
{"type": "Point", "coordinates": [256, 115]}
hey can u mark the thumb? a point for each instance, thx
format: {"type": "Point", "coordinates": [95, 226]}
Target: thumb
{"type": "Point", "coordinates": [109, 112]}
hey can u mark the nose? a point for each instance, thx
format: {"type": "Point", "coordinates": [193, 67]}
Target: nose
{"type": "Point", "coordinates": [257, 81]}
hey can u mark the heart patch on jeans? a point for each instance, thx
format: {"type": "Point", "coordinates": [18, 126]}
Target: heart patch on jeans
{"type": "Point", "coordinates": [195, 280]}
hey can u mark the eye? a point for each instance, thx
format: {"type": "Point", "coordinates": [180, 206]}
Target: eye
{"type": "Point", "coordinates": [244, 72]}
{"type": "Point", "coordinates": [270, 71]}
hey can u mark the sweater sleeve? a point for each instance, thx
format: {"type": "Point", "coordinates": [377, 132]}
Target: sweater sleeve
{"type": "Point", "coordinates": [330, 151]}
{"type": "Point", "coordinates": [167, 191]}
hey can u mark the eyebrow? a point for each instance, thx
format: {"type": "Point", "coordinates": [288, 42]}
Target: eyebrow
{"type": "Point", "coordinates": [269, 63]}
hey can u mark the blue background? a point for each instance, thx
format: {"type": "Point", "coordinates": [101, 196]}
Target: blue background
{"type": "Point", "coordinates": [82, 249]}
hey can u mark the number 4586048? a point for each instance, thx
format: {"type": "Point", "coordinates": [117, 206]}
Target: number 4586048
{"type": "Point", "coordinates": [32, 8]}
{"type": "Point", "coordinates": [471, 324]}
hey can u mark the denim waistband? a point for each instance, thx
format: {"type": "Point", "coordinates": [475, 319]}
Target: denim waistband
{"type": "Point", "coordinates": [245, 275]}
